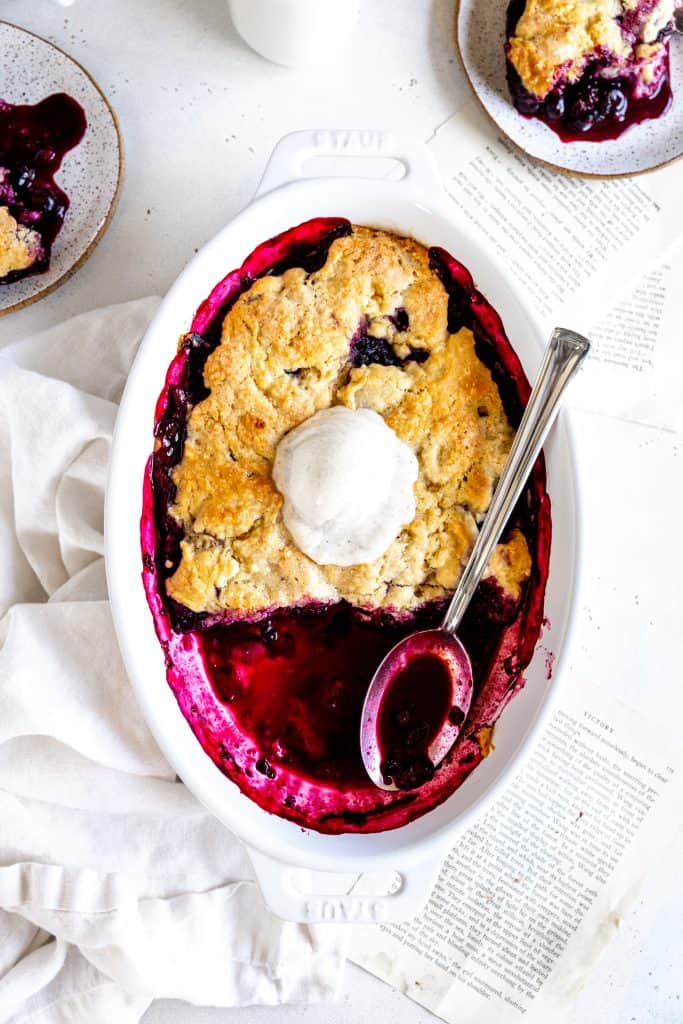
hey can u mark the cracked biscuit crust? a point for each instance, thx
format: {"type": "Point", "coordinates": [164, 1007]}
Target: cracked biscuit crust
{"type": "Point", "coordinates": [285, 353]}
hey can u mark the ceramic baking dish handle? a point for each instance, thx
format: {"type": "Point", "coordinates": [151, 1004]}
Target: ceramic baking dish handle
{"type": "Point", "coordinates": [291, 154]}
{"type": "Point", "coordinates": [406, 898]}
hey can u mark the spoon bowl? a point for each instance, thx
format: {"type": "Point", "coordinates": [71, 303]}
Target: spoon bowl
{"type": "Point", "coordinates": [420, 695]}
{"type": "Point", "coordinates": [415, 707]}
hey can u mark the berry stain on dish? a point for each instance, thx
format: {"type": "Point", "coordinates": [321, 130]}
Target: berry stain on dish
{"type": "Point", "coordinates": [270, 654]}
{"type": "Point", "coordinates": [34, 140]}
{"type": "Point", "coordinates": [589, 70]}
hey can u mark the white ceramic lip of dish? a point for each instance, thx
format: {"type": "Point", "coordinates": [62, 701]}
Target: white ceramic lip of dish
{"type": "Point", "coordinates": [415, 206]}
{"type": "Point", "coordinates": [480, 38]}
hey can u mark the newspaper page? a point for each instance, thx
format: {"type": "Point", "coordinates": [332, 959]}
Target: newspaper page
{"type": "Point", "coordinates": [530, 896]}
{"type": "Point", "coordinates": [587, 254]}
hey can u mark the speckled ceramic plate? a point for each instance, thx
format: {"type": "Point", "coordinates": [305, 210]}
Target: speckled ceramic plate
{"type": "Point", "coordinates": [480, 40]}
{"type": "Point", "coordinates": [91, 174]}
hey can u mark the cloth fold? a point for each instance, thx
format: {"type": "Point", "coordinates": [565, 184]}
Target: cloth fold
{"type": "Point", "coordinates": [116, 886]}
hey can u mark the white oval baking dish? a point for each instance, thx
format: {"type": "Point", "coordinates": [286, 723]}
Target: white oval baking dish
{"type": "Point", "coordinates": [417, 205]}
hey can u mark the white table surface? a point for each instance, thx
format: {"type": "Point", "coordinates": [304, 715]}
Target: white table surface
{"type": "Point", "coordinates": [200, 114]}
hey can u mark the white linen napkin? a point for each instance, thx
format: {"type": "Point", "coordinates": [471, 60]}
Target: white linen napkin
{"type": "Point", "coordinates": [116, 886]}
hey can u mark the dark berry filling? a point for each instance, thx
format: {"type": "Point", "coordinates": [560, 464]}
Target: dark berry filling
{"type": "Point", "coordinates": [276, 701]}
{"type": "Point", "coordinates": [400, 320]}
{"type": "Point", "coordinates": [33, 143]}
{"type": "Point", "coordinates": [412, 713]}
{"type": "Point", "coordinates": [594, 108]}
{"type": "Point", "coordinates": [366, 349]}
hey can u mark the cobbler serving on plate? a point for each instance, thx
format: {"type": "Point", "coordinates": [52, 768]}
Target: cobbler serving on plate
{"type": "Point", "coordinates": [33, 142]}
{"type": "Point", "coordinates": [344, 385]}
{"type": "Point", "coordinates": [589, 68]}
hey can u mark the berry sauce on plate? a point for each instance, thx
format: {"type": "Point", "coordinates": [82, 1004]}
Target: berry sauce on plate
{"type": "Point", "coordinates": [34, 140]}
{"type": "Point", "coordinates": [275, 700]}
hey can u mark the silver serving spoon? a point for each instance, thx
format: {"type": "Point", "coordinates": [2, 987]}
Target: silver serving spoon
{"type": "Point", "coordinates": [447, 686]}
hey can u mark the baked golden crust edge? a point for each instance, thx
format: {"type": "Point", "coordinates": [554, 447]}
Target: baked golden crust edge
{"type": "Point", "coordinates": [285, 352]}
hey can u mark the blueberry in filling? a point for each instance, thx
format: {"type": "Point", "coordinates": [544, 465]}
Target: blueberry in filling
{"type": "Point", "coordinates": [400, 320]}
{"type": "Point", "coordinates": [366, 349]}
{"type": "Point", "coordinates": [270, 667]}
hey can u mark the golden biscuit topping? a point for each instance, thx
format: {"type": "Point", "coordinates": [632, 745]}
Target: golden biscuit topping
{"type": "Point", "coordinates": [19, 245]}
{"type": "Point", "coordinates": [285, 353]}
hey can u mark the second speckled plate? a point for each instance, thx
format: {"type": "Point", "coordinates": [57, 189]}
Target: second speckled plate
{"type": "Point", "coordinates": [91, 174]}
{"type": "Point", "coordinates": [480, 40]}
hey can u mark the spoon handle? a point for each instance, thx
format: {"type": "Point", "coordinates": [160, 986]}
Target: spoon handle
{"type": "Point", "coordinates": [562, 358]}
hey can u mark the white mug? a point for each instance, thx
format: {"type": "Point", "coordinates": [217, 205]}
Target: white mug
{"type": "Point", "coordinates": [295, 32]}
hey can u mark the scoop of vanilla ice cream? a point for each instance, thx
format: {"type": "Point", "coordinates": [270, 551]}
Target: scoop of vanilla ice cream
{"type": "Point", "coordinates": [347, 481]}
